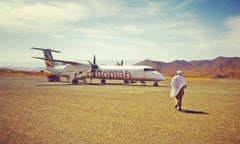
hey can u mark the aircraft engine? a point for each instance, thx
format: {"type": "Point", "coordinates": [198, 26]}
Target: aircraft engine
{"type": "Point", "coordinates": [78, 68]}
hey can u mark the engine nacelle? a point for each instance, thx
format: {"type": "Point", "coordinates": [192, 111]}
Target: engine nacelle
{"type": "Point", "coordinates": [77, 68]}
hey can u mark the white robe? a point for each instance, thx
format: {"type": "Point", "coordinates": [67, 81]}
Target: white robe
{"type": "Point", "coordinates": [177, 83]}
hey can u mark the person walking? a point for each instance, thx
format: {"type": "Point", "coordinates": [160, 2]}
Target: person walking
{"type": "Point", "coordinates": [178, 84]}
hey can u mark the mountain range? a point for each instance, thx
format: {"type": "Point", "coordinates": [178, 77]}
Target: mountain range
{"type": "Point", "coordinates": [220, 67]}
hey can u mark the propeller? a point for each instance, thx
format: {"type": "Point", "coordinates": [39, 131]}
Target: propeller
{"type": "Point", "coordinates": [120, 64]}
{"type": "Point", "coordinates": [94, 66]}
{"type": "Point", "coordinates": [94, 59]}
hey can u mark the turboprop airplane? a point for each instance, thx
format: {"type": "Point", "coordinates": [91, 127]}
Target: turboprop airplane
{"type": "Point", "coordinates": [82, 70]}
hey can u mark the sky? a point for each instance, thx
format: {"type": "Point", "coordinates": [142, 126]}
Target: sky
{"type": "Point", "coordinates": [132, 30]}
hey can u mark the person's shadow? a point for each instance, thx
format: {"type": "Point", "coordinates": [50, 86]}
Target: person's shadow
{"type": "Point", "coordinates": [193, 112]}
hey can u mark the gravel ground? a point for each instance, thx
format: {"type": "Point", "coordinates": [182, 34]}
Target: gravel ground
{"type": "Point", "coordinates": [35, 111]}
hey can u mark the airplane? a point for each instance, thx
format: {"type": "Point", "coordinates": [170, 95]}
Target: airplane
{"type": "Point", "coordinates": [82, 70]}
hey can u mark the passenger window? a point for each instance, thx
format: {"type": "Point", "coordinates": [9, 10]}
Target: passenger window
{"type": "Point", "coordinates": [148, 69]}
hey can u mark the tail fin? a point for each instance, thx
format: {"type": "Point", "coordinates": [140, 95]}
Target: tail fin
{"type": "Point", "coordinates": [48, 57]}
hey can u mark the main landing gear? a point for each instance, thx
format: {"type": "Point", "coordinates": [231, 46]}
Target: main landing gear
{"type": "Point", "coordinates": [53, 78]}
{"type": "Point", "coordinates": [75, 81]}
{"type": "Point", "coordinates": [103, 81]}
{"type": "Point", "coordinates": [126, 82]}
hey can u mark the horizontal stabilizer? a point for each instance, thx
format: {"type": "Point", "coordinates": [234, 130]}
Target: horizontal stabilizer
{"type": "Point", "coordinates": [40, 58]}
{"type": "Point", "coordinates": [44, 49]}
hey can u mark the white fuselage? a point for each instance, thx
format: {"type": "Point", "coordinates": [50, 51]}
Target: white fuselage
{"type": "Point", "coordinates": [141, 73]}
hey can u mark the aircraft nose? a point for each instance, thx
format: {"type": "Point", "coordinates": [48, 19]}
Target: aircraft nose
{"type": "Point", "coordinates": [163, 77]}
{"type": "Point", "coordinates": [159, 76]}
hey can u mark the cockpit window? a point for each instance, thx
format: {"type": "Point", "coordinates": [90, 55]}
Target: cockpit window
{"type": "Point", "coordinates": [148, 69]}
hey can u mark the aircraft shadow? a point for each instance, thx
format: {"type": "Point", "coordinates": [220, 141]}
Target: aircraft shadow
{"type": "Point", "coordinates": [65, 84]}
{"type": "Point", "coordinates": [193, 112]}
{"type": "Point", "coordinates": [97, 84]}
{"type": "Point", "coordinates": [48, 85]}
{"type": "Point", "coordinates": [131, 85]}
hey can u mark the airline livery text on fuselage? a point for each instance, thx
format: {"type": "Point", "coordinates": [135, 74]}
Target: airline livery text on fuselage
{"type": "Point", "coordinates": [111, 74]}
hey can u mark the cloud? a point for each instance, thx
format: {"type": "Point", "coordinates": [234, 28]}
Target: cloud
{"type": "Point", "coordinates": [227, 39]}
{"type": "Point", "coordinates": [60, 37]}
{"type": "Point", "coordinates": [157, 28]}
{"type": "Point", "coordinates": [20, 16]}
{"type": "Point", "coordinates": [130, 28]}
{"type": "Point", "coordinates": [57, 18]}
{"type": "Point", "coordinates": [230, 38]}
{"type": "Point", "coordinates": [60, 16]}
{"type": "Point", "coordinates": [233, 25]}
{"type": "Point", "coordinates": [181, 4]}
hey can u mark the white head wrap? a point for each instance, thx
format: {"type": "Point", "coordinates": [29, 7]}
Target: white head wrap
{"type": "Point", "coordinates": [179, 72]}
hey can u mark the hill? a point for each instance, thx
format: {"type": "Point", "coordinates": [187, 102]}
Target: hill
{"type": "Point", "coordinates": [21, 73]}
{"type": "Point", "coordinates": [220, 67]}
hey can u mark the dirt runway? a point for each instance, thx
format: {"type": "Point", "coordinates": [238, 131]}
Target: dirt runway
{"type": "Point", "coordinates": [35, 111]}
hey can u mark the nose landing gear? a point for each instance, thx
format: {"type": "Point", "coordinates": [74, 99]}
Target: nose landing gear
{"type": "Point", "coordinates": [155, 84]}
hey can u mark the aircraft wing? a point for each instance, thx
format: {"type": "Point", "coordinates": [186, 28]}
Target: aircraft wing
{"type": "Point", "coordinates": [64, 62]}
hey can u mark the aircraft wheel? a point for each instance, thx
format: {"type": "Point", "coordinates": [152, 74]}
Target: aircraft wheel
{"type": "Point", "coordinates": [50, 79]}
{"type": "Point", "coordinates": [155, 84]}
{"type": "Point", "coordinates": [126, 82]}
{"type": "Point", "coordinates": [103, 81]}
{"type": "Point", "coordinates": [75, 81]}
{"type": "Point", "coordinates": [53, 78]}
{"type": "Point", "coordinates": [132, 81]}
{"type": "Point", "coordinates": [57, 79]}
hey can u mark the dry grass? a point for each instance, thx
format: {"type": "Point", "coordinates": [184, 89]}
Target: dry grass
{"type": "Point", "coordinates": [34, 111]}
